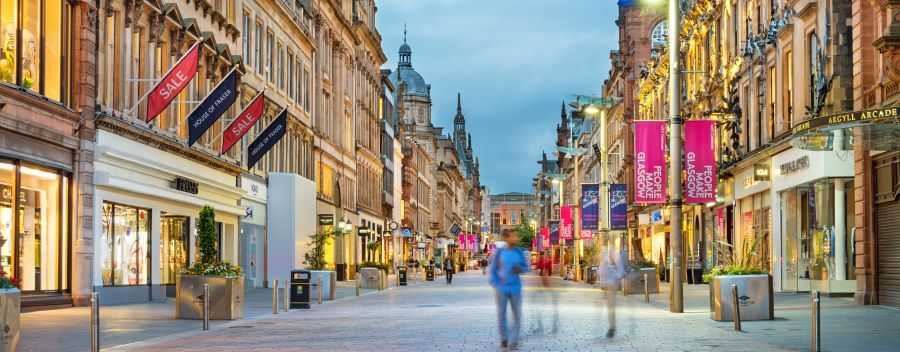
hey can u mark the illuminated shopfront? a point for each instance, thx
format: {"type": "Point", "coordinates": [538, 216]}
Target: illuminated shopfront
{"type": "Point", "coordinates": [32, 44]}
{"type": "Point", "coordinates": [34, 241]}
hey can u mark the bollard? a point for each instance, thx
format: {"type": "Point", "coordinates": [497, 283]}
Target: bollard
{"type": "Point", "coordinates": [287, 296]}
{"type": "Point", "coordinates": [357, 285]}
{"type": "Point", "coordinates": [95, 322]}
{"type": "Point", "coordinates": [205, 307]}
{"type": "Point", "coordinates": [320, 290]}
{"type": "Point", "coordinates": [275, 297]}
{"type": "Point", "coordinates": [646, 289]}
{"type": "Point", "coordinates": [815, 342]}
{"type": "Point", "coordinates": [624, 288]}
{"type": "Point", "coordinates": [736, 308]}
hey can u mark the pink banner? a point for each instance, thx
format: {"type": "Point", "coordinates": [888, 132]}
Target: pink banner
{"type": "Point", "coordinates": [545, 237]}
{"type": "Point", "coordinates": [461, 241]}
{"type": "Point", "coordinates": [565, 223]}
{"type": "Point", "coordinates": [587, 234]}
{"type": "Point", "coordinates": [699, 161]}
{"type": "Point", "coordinates": [649, 161]}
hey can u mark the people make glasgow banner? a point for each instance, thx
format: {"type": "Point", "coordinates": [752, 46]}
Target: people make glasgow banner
{"type": "Point", "coordinates": [566, 227]}
{"type": "Point", "coordinates": [244, 122]}
{"type": "Point", "coordinates": [699, 161]}
{"type": "Point", "coordinates": [212, 107]}
{"type": "Point", "coordinates": [618, 206]}
{"type": "Point", "coordinates": [590, 206]}
{"type": "Point", "coordinates": [267, 139]}
{"type": "Point", "coordinates": [173, 82]}
{"type": "Point", "coordinates": [649, 161]}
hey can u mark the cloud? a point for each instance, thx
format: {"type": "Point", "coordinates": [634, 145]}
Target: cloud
{"type": "Point", "coordinates": [513, 61]}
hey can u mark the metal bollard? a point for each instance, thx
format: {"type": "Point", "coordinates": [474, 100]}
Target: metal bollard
{"type": "Point", "coordinates": [736, 308]}
{"type": "Point", "coordinates": [624, 288]}
{"type": "Point", "coordinates": [815, 342]}
{"type": "Point", "coordinates": [357, 284]}
{"type": "Point", "coordinates": [287, 296]}
{"type": "Point", "coordinates": [95, 322]}
{"type": "Point", "coordinates": [205, 307]}
{"type": "Point", "coordinates": [320, 290]}
{"type": "Point", "coordinates": [275, 297]}
{"type": "Point", "coordinates": [646, 289]}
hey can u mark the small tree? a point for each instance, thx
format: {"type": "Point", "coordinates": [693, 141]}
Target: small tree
{"type": "Point", "coordinates": [526, 234]}
{"type": "Point", "coordinates": [206, 232]}
{"type": "Point", "coordinates": [315, 258]}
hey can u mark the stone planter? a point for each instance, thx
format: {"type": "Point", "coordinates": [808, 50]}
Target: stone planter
{"type": "Point", "coordinates": [370, 278]}
{"type": "Point", "coordinates": [10, 303]}
{"type": "Point", "coordinates": [634, 281]}
{"type": "Point", "coordinates": [226, 297]}
{"type": "Point", "coordinates": [328, 282]}
{"type": "Point", "coordinates": [755, 296]}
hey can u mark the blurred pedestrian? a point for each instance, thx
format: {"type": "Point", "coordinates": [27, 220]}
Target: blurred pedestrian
{"type": "Point", "coordinates": [507, 264]}
{"type": "Point", "coordinates": [484, 265]}
{"type": "Point", "coordinates": [612, 270]}
{"type": "Point", "coordinates": [544, 294]}
{"type": "Point", "coordinates": [448, 270]}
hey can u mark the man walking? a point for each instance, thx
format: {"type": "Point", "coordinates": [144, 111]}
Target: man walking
{"type": "Point", "coordinates": [507, 264]}
{"type": "Point", "coordinates": [448, 270]}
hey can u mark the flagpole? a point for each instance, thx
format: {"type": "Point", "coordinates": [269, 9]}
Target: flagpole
{"type": "Point", "coordinates": [146, 94]}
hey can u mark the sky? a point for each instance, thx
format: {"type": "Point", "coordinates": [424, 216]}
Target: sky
{"type": "Point", "coordinates": [514, 61]}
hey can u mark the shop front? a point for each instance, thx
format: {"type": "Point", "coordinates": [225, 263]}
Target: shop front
{"type": "Point", "coordinates": [146, 211]}
{"type": "Point", "coordinates": [814, 198]}
{"type": "Point", "coordinates": [253, 234]}
{"type": "Point", "coordinates": [752, 218]}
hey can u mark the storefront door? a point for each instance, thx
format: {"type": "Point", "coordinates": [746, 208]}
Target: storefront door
{"type": "Point", "coordinates": [174, 233]}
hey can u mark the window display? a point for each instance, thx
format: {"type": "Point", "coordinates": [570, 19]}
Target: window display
{"type": "Point", "coordinates": [30, 56]}
{"type": "Point", "coordinates": [173, 244]}
{"type": "Point", "coordinates": [126, 233]}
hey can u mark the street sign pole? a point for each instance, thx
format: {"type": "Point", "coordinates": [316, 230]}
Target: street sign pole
{"type": "Point", "coordinates": [676, 299]}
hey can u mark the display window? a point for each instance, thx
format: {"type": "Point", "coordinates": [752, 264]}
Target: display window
{"type": "Point", "coordinates": [174, 247]}
{"type": "Point", "coordinates": [32, 43]}
{"type": "Point", "coordinates": [126, 238]}
{"type": "Point", "coordinates": [34, 226]}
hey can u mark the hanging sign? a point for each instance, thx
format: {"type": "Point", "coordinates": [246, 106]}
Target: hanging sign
{"type": "Point", "coordinates": [590, 206]}
{"type": "Point", "coordinates": [699, 161]}
{"type": "Point", "coordinates": [245, 120]}
{"type": "Point", "coordinates": [554, 232]}
{"type": "Point", "coordinates": [565, 222]}
{"type": "Point", "coordinates": [649, 162]}
{"type": "Point", "coordinates": [212, 107]}
{"type": "Point", "coordinates": [618, 206]}
{"type": "Point", "coordinates": [267, 139]}
{"type": "Point", "coordinates": [173, 82]}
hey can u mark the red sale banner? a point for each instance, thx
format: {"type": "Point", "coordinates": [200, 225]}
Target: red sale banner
{"type": "Point", "coordinates": [699, 161]}
{"type": "Point", "coordinates": [565, 223]}
{"type": "Point", "coordinates": [649, 161]}
{"type": "Point", "coordinates": [244, 122]}
{"type": "Point", "coordinates": [545, 237]}
{"type": "Point", "coordinates": [173, 82]}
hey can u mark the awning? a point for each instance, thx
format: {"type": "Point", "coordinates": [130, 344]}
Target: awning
{"type": "Point", "coordinates": [880, 129]}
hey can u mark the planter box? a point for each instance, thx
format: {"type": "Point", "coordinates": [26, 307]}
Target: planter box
{"type": "Point", "coordinates": [10, 303]}
{"type": "Point", "coordinates": [328, 283]}
{"type": "Point", "coordinates": [755, 296]}
{"type": "Point", "coordinates": [226, 297]}
{"type": "Point", "coordinates": [370, 278]}
{"type": "Point", "coordinates": [634, 281]}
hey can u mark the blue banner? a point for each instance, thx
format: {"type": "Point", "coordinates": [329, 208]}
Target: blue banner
{"type": "Point", "coordinates": [618, 206]}
{"type": "Point", "coordinates": [590, 206]}
{"type": "Point", "coordinates": [212, 107]}
{"type": "Point", "coordinates": [554, 232]}
{"type": "Point", "coordinates": [267, 139]}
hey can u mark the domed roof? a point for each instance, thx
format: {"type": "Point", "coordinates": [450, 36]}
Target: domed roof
{"type": "Point", "coordinates": [405, 49]}
{"type": "Point", "coordinates": [415, 84]}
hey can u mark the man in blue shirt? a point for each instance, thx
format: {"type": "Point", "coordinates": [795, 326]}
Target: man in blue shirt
{"type": "Point", "coordinates": [507, 264]}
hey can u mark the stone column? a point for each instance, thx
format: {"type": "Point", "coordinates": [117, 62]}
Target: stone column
{"type": "Point", "coordinates": [839, 246]}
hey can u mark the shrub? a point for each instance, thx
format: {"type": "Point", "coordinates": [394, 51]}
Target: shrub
{"type": "Point", "coordinates": [381, 266]}
{"type": "Point", "coordinates": [731, 270]}
{"type": "Point", "coordinates": [315, 257]}
{"type": "Point", "coordinates": [209, 263]}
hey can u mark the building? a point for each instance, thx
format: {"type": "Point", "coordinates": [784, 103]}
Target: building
{"type": "Point", "coordinates": [392, 158]}
{"type": "Point", "coordinates": [513, 209]}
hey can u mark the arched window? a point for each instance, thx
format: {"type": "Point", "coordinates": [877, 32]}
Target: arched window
{"type": "Point", "coordinates": [659, 34]}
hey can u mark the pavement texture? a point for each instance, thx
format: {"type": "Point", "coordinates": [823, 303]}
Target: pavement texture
{"type": "Point", "coordinates": [68, 329]}
{"type": "Point", "coordinates": [433, 316]}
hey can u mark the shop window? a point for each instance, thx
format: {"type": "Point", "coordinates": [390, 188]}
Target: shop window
{"type": "Point", "coordinates": [126, 235]}
{"type": "Point", "coordinates": [30, 56]}
{"type": "Point", "coordinates": [173, 252]}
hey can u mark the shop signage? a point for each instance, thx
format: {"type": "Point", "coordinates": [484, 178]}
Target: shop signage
{"type": "Point", "coordinates": [406, 232]}
{"type": "Point", "coordinates": [650, 162]}
{"type": "Point", "coordinates": [618, 206]}
{"type": "Point", "coordinates": [26, 197]}
{"type": "Point", "coordinates": [363, 231]}
{"type": "Point", "coordinates": [326, 219]}
{"type": "Point", "coordinates": [243, 122]}
{"type": "Point", "coordinates": [267, 139]}
{"type": "Point", "coordinates": [699, 161]}
{"type": "Point", "coordinates": [212, 107]}
{"type": "Point", "coordinates": [848, 119]}
{"type": "Point", "coordinates": [186, 185]}
{"type": "Point", "coordinates": [761, 172]}
{"type": "Point", "coordinates": [173, 82]}
{"type": "Point", "coordinates": [565, 222]}
{"type": "Point", "coordinates": [795, 165]}
{"type": "Point", "coordinates": [590, 206]}
{"type": "Point", "coordinates": [656, 217]}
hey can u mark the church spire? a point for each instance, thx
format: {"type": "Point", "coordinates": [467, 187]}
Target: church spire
{"type": "Point", "coordinates": [460, 120]}
{"type": "Point", "coordinates": [405, 51]}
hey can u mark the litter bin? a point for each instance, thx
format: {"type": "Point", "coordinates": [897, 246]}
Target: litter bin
{"type": "Point", "coordinates": [429, 273]}
{"type": "Point", "coordinates": [300, 289]}
{"type": "Point", "coordinates": [401, 275]}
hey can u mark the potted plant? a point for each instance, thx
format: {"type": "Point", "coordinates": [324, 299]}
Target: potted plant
{"type": "Point", "coordinates": [10, 303]}
{"type": "Point", "coordinates": [756, 298]}
{"type": "Point", "coordinates": [635, 272]}
{"type": "Point", "coordinates": [318, 266]}
{"type": "Point", "coordinates": [226, 283]}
